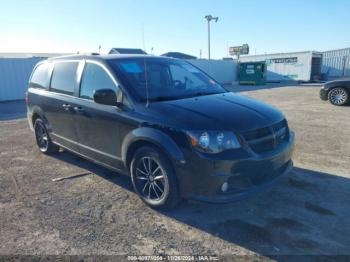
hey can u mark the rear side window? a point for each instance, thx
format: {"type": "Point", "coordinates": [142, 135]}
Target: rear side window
{"type": "Point", "coordinates": [40, 77]}
{"type": "Point", "coordinates": [94, 78]}
{"type": "Point", "coordinates": [64, 77]}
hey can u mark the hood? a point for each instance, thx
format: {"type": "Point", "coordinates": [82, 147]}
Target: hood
{"type": "Point", "coordinates": [335, 83]}
{"type": "Point", "coordinates": [226, 111]}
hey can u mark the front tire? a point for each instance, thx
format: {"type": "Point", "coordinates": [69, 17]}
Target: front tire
{"type": "Point", "coordinates": [43, 139]}
{"type": "Point", "coordinates": [153, 178]}
{"type": "Point", "coordinates": [338, 96]}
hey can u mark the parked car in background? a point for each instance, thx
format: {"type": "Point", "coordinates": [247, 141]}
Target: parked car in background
{"type": "Point", "coordinates": [337, 92]}
{"type": "Point", "coordinates": [172, 128]}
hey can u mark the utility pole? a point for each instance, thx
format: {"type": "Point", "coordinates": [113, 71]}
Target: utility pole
{"type": "Point", "coordinates": [208, 39]}
{"type": "Point", "coordinates": [209, 18]}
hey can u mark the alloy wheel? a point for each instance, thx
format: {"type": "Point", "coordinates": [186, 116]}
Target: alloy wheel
{"type": "Point", "coordinates": [41, 137]}
{"type": "Point", "coordinates": [150, 179]}
{"type": "Point", "coordinates": [338, 96]}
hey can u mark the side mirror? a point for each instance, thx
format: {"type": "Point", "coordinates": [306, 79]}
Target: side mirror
{"type": "Point", "coordinates": [105, 97]}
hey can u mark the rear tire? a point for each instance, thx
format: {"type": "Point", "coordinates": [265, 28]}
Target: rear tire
{"type": "Point", "coordinates": [154, 179]}
{"type": "Point", "coordinates": [43, 139]}
{"type": "Point", "coordinates": [338, 96]}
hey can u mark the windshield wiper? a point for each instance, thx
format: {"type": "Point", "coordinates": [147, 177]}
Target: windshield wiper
{"type": "Point", "coordinates": [167, 98]}
{"type": "Point", "coordinates": [163, 98]}
{"type": "Point", "coordinates": [203, 94]}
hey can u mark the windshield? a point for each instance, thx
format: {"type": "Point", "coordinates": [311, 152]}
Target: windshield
{"type": "Point", "coordinates": [163, 79]}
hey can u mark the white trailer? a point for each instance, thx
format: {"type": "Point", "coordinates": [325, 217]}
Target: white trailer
{"type": "Point", "coordinates": [298, 66]}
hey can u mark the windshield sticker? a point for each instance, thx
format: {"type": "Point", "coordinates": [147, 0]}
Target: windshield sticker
{"type": "Point", "coordinates": [132, 68]}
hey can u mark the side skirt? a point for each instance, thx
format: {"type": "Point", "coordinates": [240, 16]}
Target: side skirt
{"type": "Point", "coordinates": [121, 171]}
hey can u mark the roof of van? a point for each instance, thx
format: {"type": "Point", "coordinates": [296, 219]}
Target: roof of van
{"type": "Point", "coordinates": [103, 57]}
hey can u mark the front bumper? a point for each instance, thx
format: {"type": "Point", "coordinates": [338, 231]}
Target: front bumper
{"type": "Point", "coordinates": [324, 94]}
{"type": "Point", "coordinates": [245, 174]}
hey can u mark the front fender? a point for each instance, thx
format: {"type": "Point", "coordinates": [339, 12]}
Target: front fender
{"type": "Point", "coordinates": [330, 85]}
{"type": "Point", "coordinates": [156, 137]}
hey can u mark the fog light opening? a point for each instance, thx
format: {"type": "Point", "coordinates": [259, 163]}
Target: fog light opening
{"type": "Point", "coordinates": [224, 187]}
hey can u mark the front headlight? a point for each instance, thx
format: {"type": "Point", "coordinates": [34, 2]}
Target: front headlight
{"type": "Point", "coordinates": [213, 141]}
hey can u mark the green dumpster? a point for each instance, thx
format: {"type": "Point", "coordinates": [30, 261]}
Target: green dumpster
{"type": "Point", "coordinates": [252, 73]}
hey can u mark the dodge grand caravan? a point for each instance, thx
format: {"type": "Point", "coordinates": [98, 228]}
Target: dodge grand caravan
{"type": "Point", "coordinates": [176, 131]}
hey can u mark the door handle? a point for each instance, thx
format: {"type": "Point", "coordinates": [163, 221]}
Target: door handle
{"type": "Point", "coordinates": [78, 109]}
{"type": "Point", "coordinates": [66, 107]}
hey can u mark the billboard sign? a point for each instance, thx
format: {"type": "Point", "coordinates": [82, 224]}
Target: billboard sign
{"type": "Point", "coordinates": [239, 50]}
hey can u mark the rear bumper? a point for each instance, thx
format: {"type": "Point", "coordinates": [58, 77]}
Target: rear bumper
{"type": "Point", "coordinates": [202, 179]}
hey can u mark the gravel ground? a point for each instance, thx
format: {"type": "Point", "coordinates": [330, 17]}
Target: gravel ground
{"type": "Point", "coordinates": [307, 213]}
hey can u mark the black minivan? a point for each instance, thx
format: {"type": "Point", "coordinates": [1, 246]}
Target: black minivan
{"type": "Point", "coordinates": [176, 131]}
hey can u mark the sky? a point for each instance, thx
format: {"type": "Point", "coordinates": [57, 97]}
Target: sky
{"type": "Point", "coordinates": [159, 26]}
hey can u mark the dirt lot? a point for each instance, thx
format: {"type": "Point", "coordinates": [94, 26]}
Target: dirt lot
{"type": "Point", "coordinates": [306, 213]}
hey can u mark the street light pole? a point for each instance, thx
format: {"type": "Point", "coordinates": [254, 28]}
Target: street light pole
{"type": "Point", "coordinates": [208, 39]}
{"type": "Point", "coordinates": [209, 18]}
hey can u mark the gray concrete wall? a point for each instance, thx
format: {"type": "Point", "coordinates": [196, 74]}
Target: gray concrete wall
{"type": "Point", "coordinates": [223, 71]}
{"type": "Point", "coordinates": [14, 77]}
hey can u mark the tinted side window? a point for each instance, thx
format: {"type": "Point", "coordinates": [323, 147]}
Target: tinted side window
{"type": "Point", "coordinates": [40, 77]}
{"type": "Point", "coordinates": [64, 77]}
{"type": "Point", "coordinates": [94, 78]}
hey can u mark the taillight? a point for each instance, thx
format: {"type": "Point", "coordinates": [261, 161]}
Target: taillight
{"type": "Point", "coordinates": [26, 97]}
